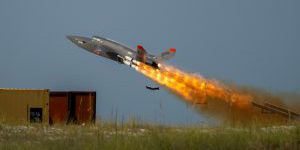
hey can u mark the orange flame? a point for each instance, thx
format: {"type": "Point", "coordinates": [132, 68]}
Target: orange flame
{"type": "Point", "coordinates": [193, 88]}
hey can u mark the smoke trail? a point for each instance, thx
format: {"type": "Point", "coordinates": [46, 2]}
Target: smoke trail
{"type": "Point", "coordinates": [226, 101]}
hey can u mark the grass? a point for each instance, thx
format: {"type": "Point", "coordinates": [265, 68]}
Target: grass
{"type": "Point", "coordinates": [146, 136]}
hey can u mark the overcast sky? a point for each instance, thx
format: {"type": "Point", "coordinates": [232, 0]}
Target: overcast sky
{"type": "Point", "coordinates": [254, 43]}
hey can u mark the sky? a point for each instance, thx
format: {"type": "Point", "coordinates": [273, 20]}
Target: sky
{"type": "Point", "coordinates": [254, 43]}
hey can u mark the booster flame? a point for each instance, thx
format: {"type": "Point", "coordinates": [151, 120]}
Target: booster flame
{"type": "Point", "coordinates": [194, 88]}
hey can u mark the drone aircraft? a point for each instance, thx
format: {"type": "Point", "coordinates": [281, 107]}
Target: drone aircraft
{"type": "Point", "coordinates": [120, 53]}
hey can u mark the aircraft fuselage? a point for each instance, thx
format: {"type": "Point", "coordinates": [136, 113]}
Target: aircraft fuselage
{"type": "Point", "coordinates": [112, 50]}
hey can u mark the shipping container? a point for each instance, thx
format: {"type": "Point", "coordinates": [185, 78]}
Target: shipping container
{"type": "Point", "coordinates": [72, 107]}
{"type": "Point", "coordinates": [24, 106]}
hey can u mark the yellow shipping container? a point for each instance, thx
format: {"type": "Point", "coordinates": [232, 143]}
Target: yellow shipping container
{"type": "Point", "coordinates": [24, 106]}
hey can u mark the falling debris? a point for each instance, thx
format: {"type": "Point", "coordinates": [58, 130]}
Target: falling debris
{"type": "Point", "coordinates": [152, 88]}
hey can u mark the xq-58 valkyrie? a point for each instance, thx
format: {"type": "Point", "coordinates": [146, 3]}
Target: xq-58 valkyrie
{"type": "Point", "coordinates": [115, 51]}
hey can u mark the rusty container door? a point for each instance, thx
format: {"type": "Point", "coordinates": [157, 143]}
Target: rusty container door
{"type": "Point", "coordinates": [85, 106]}
{"type": "Point", "coordinates": [58, 107]}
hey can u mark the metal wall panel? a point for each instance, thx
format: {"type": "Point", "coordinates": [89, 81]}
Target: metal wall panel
{"type": "Point", "coordinates": [15, 105]}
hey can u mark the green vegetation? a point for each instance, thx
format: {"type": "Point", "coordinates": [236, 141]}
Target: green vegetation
{"type": "Point", "coordinates": [145, 136]}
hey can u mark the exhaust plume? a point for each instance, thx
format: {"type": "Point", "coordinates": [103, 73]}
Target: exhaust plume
{"type": "Point", "coordinates": [225, 101]}
{"type": "Point", "coordinates": [194, 88]}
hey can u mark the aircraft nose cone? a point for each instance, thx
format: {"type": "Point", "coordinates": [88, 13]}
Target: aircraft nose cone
{"type": "Point", "coordinates": [71, 38]}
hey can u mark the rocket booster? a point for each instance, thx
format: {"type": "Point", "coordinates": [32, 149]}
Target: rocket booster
{"type": "Point", "coordinates": [131, 62]}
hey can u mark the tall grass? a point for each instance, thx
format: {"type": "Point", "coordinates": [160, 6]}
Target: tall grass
{"type": "Point", "coordinates": [146, 136]}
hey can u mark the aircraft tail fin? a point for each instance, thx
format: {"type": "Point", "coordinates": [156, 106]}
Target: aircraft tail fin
{"type": "Point", "coordinates": [141, 53]}
{"type": "Point", "coordinates": [167, 54]}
